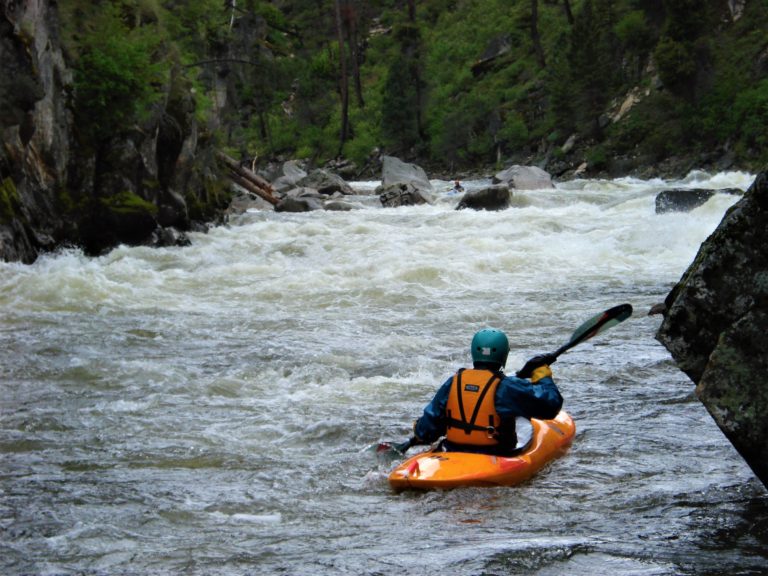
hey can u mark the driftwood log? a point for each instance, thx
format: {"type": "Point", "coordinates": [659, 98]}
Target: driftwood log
{"type": "Point", "coordinates": [248, 179]}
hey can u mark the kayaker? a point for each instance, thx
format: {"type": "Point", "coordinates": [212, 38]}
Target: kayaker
{"type": "Point", "coordinates": [475, 409]}
{"type": "Point", "coordinates": [457, 188]}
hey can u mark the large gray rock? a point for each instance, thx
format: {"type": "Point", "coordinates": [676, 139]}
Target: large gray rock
{"type": "Point", "coordinates": [325, 182]}
{"type": "Point", "coordinates": [288, 176]}
{"type": "Point", "coordinates": [403, 195]}
{"type": "Point", "coordinates": [403, 184]}
{"type": "Point", "coordinates": [524, 178]}
{"type": "Point", "coordinates": [494, 197]}
{"type": "Point", "coordinates": [299, 204]}
{"type": "Point", "coordinates": [394, 172]}
{"type": "Point", "coordinates": [716, 325]}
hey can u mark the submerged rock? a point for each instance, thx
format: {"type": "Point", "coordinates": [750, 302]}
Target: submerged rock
{"type": "Point", "coordinates": [716, 325]}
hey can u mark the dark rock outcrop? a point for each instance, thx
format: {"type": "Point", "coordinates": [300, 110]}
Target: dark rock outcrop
{"type": "Point", "coordinates": [34, 130]}
{"type": "Point", "coordinates": [402, 195]}
{"type": "Point", "coordinates": [716, 325]}
{"type": "Point", "coordinates": [59, 186]}
{"type": "Point", "coordinates": [489, 198]}
{"type": "Point", "coordinates": [686, 199]}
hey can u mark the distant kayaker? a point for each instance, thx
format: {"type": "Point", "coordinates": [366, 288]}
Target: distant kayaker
{"type": "Point", "coordinates": [457, 187]}
{"type": "Point", "coordinates": [475, 409]}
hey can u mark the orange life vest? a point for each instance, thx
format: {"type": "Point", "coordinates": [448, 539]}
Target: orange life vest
{"type": "Point", "coordinates": [470, 410]}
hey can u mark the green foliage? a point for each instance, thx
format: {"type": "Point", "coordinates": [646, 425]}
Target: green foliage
{"type": "Point", "coordinates": [751, 116]}
{"type": "Point", "coordinates": [514, 132]}
{"type": "Point", "coordinates": [9, 200]}
{"type": "Point", "coordinates": [117, 76]}
{"type": "Point", "coordinates": [685, 18]}
{"type": "Point", "coordinates": [636, 38]}
{"type": "Point", "coordinates": [128, 203]}
{"type": "Point", "coordinates": [423, 93]}
{"type": "Point", "coordinates": [597, 158]}
{"type": "Point", "coordinates": [677, 64]}
{"type": "Point", "coordinates": [593, 64]}
{"type": "Point", "coordinates": [400, 105]}
{"type": "Point", "coordinates": [633, 31]}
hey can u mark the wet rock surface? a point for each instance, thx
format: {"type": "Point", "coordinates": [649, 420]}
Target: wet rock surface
{"type": "Point", "coordinates": [716, 325]}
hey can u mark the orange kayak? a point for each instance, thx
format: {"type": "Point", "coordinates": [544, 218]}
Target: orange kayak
{"type": "Point", "coordinates": [434, 469]}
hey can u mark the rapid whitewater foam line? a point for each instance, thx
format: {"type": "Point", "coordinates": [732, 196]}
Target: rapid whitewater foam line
{"type": "Point", "coordinates": [206, 410]}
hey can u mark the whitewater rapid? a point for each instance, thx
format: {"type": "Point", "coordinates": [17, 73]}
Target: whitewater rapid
{"type": "Point", "coordinates": [208, 409]}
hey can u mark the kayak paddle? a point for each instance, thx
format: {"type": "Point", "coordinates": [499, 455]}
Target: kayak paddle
{"type": "Point", "coordinates": [598, 323]}
{"type": "Point", "coordinates": [592, 327]}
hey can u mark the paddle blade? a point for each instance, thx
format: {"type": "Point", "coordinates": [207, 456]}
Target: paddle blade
{"type": "Point", "coordinates": [598, 323]}
{"type": "Point", "coordinates": [388, 448]}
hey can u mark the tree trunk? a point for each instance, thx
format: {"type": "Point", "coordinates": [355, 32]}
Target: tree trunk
{"type": "Point", "coordinates": [535, 37]}
{"type": "Point", "coordinates": [343, 80]}
{"type": "Point", "coordinates": [415, 59]}
{"type": "Point", "coordinates": [568, 11]}
{"type": "Point", "coordinates": [248, 179]}
{"type": "Point", "coordinates": [355, 58]}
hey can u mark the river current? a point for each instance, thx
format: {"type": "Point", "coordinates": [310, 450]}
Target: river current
{"type": "Point", "coordinates": [209, 410]}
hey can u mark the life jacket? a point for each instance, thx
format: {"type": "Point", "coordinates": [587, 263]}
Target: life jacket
{"type": "Point", "coordinates": [470, 410]}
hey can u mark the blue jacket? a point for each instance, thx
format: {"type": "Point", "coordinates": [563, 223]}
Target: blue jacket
{"type": "Point", "coordinates": [514, 397]}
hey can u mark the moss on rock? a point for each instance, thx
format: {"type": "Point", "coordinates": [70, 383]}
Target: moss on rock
{"type": "Point", "coordinates": [128, 203]}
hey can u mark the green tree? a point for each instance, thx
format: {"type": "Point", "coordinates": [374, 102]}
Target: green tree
{"type": "Point", "coordinates": [400, 126]}
{"type": "Point", "coordinates": [636, 39]}
{"type": "Point", "coordinates": [592, 59]}
{"type": "Point", "coordinates": [403, 92]}
{"type": "Point", "coordinates": [118, 76]}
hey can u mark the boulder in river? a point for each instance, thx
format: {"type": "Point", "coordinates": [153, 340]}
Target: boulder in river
{"type": "Point", "coordinates": [299, 204]}
{"type": "Point", "coordinates": [494, 197]}
{"type": "Point", "coordinates": [716, 325]}
{"type": "Point", "coordinates": [524, 178]}
{"type": "Point", "coordinates": [325, 182]}
{"type": "Point", "coordinates": [403, 195]}
{"type": "Point", "coordinates": [403, 184]}
{"type": "Point", "coordinates": [395, 171]}
{"type": "Point", "coordinates": [686, 199]}
{"type": "Point", "coordinates": [288, 176]}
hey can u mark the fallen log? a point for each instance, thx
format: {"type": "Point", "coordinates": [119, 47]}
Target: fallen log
{"type": "Point", "coordinates": [255, 183]}
{"type": "Point", "coordinates": [251, 187]}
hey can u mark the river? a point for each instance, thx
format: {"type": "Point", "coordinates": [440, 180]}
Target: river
{"type": "Point", "coordinates": [209, 410]}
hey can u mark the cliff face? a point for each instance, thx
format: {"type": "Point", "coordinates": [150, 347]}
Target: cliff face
{"type": "Point", "coordinates": [35, 130]}
{"type": "Point", "coordinates": [54, 190]}
{"type": "Point", "coordinates": [716, 325]}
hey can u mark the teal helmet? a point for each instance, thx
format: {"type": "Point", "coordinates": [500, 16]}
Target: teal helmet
{"type": "Point", "coordinates": [490, 346]}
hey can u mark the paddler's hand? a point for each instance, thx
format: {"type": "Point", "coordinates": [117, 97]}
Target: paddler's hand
{"type": "Point", "coordinates": [528, 370]}
{"type": "Point", "coordinates": [541, 372]}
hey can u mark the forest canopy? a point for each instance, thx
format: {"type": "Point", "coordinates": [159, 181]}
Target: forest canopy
{"type": "Point", "coordinates": [453, 83]}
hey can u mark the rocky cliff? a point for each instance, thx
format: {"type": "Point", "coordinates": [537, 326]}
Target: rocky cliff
{"type": "Point", "coordinates": [136, 186]}
{"type": "Point", "coordinates": [716, 325]}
